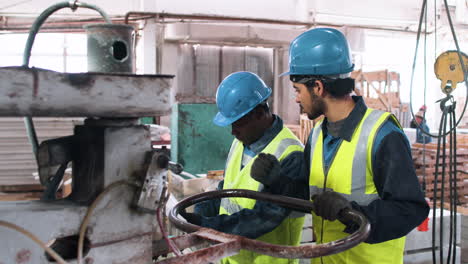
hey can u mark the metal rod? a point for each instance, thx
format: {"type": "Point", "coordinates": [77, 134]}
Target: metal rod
{"type": "Point", "coordinates": [216, 17]}
{"type": "Point", "coordinates": [183, 17]}
{"type": "Point", "coordinates": [303, 251]}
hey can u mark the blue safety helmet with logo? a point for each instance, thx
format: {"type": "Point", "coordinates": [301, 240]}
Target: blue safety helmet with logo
{"type": "Point", "coordinates": [237, 95]}
{"type": "Point", "coordinates": [319, 51]}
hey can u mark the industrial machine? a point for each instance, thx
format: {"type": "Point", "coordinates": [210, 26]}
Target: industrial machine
{"type": "Point", "coordinates": [119, 183]}
{"type": "Point", "coordinates": [118, 180]}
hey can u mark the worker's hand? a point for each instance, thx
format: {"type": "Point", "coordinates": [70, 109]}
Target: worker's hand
{"type": "Point", "coordinates": [191, 217]}
{"type": "Point", "coordinates": [266, 169]}
{"type": "Point", "coordinates": [329, 204]}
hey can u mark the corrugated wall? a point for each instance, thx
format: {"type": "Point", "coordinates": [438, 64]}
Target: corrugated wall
{"type": "Point", "coordinates": [202, 67]}
{"type": "Point", "coordinates": [17, 162]}
{"type": "Point", "coordinates": [199, 68]}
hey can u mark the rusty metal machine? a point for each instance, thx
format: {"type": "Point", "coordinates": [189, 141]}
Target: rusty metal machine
{"type": "Point", "coordinates": [118, 180]}
{"type": "Point", "coordinates": [119, 183]}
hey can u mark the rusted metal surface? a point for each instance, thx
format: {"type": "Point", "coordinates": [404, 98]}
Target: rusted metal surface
{"type": "Point", "coordinates": [227, 245]}
{"type": "Point", "coordinates": [303, 251]}
{"type": "Point", "coordinates": [110, 48]}
{"type": "Point", "coordinates": [23, 256]}
{"type": "Point", "coordinates": [316, 250]}
{"type": "Point", "coordinates": [185, 241]}
{"type": "Point", "coordinates": [293, 203]}
{"type": "Point", "coordinates": [152, 193]}
{"type": "Point", "coordinates": [195, 99]}
{"type": "Point", "coordinates": [116, 232]}
{"type": "Point", "coordinates": [39, 92]}
{"type": "Point", "coordinates": [206, 255]}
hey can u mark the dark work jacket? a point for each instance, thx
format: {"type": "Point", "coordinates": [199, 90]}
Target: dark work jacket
{"type": "Point", "coordinates": [401, 206]}
{"type": "Point", "coordinates": [264, 217]}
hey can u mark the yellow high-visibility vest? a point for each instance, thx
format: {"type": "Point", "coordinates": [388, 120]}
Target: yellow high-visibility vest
{"type": "Point", "coordinates": [290, 230]}
{"type": "Point", "coordinates": [351, 175]}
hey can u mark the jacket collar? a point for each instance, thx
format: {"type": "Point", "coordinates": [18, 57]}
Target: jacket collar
{"type": "Point", "coordinates": [267, 137]}
{"type": "Point", "coordinates": [352, 121]}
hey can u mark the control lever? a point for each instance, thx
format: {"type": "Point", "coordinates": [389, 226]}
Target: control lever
{"type": "Point", "coordinates": [228, 245]}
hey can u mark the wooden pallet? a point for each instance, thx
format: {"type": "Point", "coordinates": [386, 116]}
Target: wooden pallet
{"type": "Point", "coordinates": [4, 197]}
{"type": "Point", "coordinates": [306, 125]}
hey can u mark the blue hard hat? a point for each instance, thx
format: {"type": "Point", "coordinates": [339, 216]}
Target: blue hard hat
{"type": "Point", "coordinates": [319, 51]}
{"type": "Point", "coordinates": [237, 95]}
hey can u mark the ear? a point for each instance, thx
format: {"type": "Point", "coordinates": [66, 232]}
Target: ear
{"type": "Point", "coordinates": [318, 89]}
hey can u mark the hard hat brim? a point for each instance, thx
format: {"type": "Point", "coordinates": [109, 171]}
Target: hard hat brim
{"type": "Point", "coordinates": [223, 121]}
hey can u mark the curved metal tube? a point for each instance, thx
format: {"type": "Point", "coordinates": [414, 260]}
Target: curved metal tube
{"type": "Point", "coordinates": [27, 52]}
{"type": "Point", "coordinates": [303, 251]}
{"type": "Point", "coordinates": [45, 14]}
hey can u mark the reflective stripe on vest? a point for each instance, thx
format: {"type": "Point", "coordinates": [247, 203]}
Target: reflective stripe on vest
{"type": "Point", "coordinates": [231, 207]}
{"type": "Point", "coordinates": [288, 232]}
{"type": "Point", "coordinates": [359, 162]}
{"type": "Point", "coordinates": [350, 174]}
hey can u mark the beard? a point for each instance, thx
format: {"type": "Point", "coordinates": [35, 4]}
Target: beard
{"type": "Point", "coordinates": [313, 116]}
{"type": "Point", "coordinates": [317, 108]}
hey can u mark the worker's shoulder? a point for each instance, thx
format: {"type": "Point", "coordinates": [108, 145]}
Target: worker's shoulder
{"type": "Point", "coordinates": [390, 125]}
{"type": "Point", "coordinates": [390, 130]}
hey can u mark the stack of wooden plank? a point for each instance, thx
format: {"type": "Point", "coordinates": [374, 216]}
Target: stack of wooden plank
{"type": "Point", "coordinates": [381, 90]}
{"type": "Point", "coordinates": [306, 125]}
{"type": "Point", "coordinates": [424, 158]}
{"type": "Point", "coordinates": [20, 192]}
{"type": "Point", "coordinates": [296, 129]}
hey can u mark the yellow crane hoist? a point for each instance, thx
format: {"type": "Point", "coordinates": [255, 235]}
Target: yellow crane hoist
{"type": "Point", "coordinates": [449, 70]}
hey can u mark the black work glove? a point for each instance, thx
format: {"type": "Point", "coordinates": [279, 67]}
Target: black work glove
{"type": "Point", "coordinates": [329, 204]}
{"type": "Point", "coordinates": [191, 217]}
{"type": "Point", "coordinates": [266, 169]}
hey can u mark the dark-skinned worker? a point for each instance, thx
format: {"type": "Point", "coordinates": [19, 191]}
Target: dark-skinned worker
{"type": "Point", "coordinates": [260, 136]}
{"type": "Point", "coordinates": [357, 157]}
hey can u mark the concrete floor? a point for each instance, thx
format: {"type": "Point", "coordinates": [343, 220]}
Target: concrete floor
{"type": "Point", "coordinates": [464, 245]}
{"type": "Point", "coordinates": [464, 240]}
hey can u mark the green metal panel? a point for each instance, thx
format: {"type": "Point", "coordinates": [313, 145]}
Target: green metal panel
{"type": "Point", "coordinates": [147, 120]}
{"type": "Point", "coordinates": [197, 143]}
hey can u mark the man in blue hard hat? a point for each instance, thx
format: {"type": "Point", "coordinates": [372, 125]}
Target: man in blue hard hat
{"type": "Point", "coordinates": [261, 142]}
{"type": "Point", "coordinates": [357, 157]}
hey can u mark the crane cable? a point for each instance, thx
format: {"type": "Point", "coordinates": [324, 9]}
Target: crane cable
{"type": "Point", "coordinates": [448, 112]}
{"type": "Point", "coordinates": [423, 8]}
{"type": "Point", "coordinates": [440, 168]}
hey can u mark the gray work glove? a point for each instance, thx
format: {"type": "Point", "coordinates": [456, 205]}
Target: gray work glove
{"type": "Point", "coordinates": [266, 169]}
{"type": "Point", "coordinates": [329, 204]}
